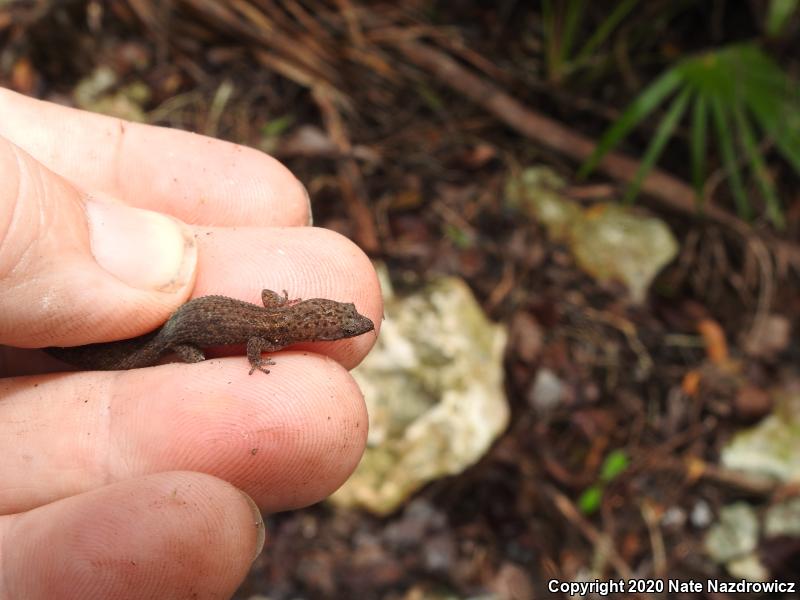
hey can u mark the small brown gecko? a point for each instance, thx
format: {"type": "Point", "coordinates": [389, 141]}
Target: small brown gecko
{"type": "Point", "coordinates": [220, 321]}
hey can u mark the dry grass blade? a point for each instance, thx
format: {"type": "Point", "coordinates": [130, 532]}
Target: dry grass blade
{"type": "Point", "coordinates": [284, 40]}
{"type": "Point", "coordinates": [350, 180]}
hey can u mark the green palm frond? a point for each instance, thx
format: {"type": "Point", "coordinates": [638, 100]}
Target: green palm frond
{"type": "Point", "coordinates": [745, 94]}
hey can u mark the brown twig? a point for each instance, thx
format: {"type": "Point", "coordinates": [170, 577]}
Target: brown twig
{"type": "Point", "coordinates": [598, 539]}
{"type": "Point", "coordinates": [659, 553]}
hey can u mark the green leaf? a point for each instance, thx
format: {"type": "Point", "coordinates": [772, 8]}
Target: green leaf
{"type": "Point", "coordinates": [789, 146]}
{"type": "Point", "coordinates": [773, 99]}
{"type": "Point", "coordinates": [660, 139]}
{"type": "Point", "coordinates": [767, 93]}
{"type": "Point", "coordinates": [698, 142]}
{"type": "Point", "coordinates": [783, 125]}
{"type": "Point", "coordinates": [551, 44]}
{"type": "Point", "coordinates": [590, 499]}
{"type": "Point", "coordinates": [729, 157]}
{"type": "Point", "coordinates": [604, 30]}
{"type": "Point", "coordinates": [702, 74]}
{"type": "Point", "coordinates": [776, 113]}
{"type": "Point", "coordinates": [778, 14]}
{"type": "Point", "coordinates": [614, 464]}
{"type": "Point", "coordinates": [461, 238]}
{"type": "Point", "coordinates": [759, 170]}
{"type": "Point", "coordinates": [429, 96]}
{"type": "Point", "coordinates": [276, 127]}
{"type": "Point", "coordinates": [644, 104]}
{"type": "Point", "coordinates": [574, 11]}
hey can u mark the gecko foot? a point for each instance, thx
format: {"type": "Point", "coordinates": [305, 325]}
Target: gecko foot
{"type": "Point", "coordinates": [259, 365]}
{"type": "Point", "coordinates": [291, 302]}
{"type": "Point", "coordinates": [272, 299]}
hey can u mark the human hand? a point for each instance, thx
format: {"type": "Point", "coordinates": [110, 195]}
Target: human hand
{"type": "Point", "coordinates": [126, 484]}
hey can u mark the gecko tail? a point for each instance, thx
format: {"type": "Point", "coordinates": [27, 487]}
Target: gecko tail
{"type": "Point", "coordinates": [133, 353]}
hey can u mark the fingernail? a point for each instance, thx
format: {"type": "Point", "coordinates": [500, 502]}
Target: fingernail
{"type": "Point", "coordinates": [144, 249]}
{"type": "Point", "coordinates": [308, 200]}
{"type": "Point", "coordinates": [258, 523]}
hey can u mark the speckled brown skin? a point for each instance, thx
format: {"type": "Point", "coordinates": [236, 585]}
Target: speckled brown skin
{"type": "Point", "coordinates": [221, 321]}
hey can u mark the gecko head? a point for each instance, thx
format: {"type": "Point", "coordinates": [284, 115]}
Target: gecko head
{"type": "Point", "coordinates": [330, 320]}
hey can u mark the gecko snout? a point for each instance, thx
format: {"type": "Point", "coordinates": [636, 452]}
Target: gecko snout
{"type": "Point", "coordinates": [360, 324]}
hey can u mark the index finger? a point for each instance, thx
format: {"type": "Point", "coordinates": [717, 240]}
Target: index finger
{"type": "Point", "coordinates": [198, 179]}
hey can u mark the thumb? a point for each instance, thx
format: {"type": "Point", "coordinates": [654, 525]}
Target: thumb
{"type": "Point", "coordinates": [76, 269]}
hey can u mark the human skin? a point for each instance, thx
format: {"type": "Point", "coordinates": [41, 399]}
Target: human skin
{"type": "Point", "coordinates": [144, 483]}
